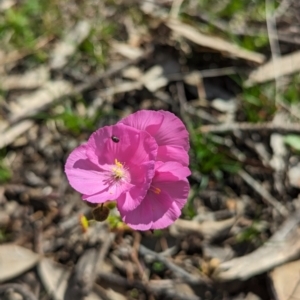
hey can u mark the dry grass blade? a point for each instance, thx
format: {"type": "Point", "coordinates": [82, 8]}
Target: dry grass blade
{"type": "Point", "coordinates": [214, 43]}
{"type": "Point", "coordinates": [273, 69]}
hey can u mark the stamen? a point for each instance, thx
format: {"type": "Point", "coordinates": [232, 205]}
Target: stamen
{"type": "Point", "coordinates": [155, 190]}
{"type": "Point", "coordinates": [118, 170]}
{"type": "Point", "coordinates": [118, 164]}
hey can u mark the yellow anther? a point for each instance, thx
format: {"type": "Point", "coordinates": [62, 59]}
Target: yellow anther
{"type": "Point", "coordinates": [118, 164]}
{"type": "Point", "coordinates": [118, 170]}
{"type": "Point", "coordinates": [156, 190]}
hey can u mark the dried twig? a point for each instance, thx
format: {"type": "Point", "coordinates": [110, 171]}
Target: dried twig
{"type": "Point", "coordinates": [156, 287]}
{"type": "Point", "coordinates": [245, 126]}
{"type": "Point", "coordinates": [264, 193]}
{"type": "Point", "coordinates": [181, 273]}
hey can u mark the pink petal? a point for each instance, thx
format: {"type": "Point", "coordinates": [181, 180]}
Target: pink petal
{"type": "Point", "coordinates": [147, 120]}
{"type": "Point", "coordinates": [159, 210]}
{"type": "Point", "coordinates": [134, 146]}
{"type": "Point", "coordinates": [83, 175]}
{"type": "Point", "coordinates": [172, 131]}
{"type": "Point", "coordinates": [109, 194]}
{"type": "Point", "coordinates": [178, 191]}
{"type": "Point", "coordinates": [170, 177]}
{"type": "Point", "coordinates": [165, 127]}
{"type": "Point", "coordinates": [170, 171]}
{"type": "Point", "coordinates": [173, 153]}
{"type": "Point", "coordinates": [142, 176]}
{"type": "Point", "coordinates": [154, 212]}
{"type": "Point", "coordinates": [89, 167]}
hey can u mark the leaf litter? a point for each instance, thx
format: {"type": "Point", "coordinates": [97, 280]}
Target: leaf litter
{"type": "Point", "coordinates": [240, 224]}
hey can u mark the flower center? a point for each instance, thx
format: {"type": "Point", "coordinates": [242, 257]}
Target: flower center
{"type": "Point", "coordinates": [118, 170]}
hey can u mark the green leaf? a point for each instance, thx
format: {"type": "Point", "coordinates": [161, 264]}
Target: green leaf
{"type": "Point", "coordinates": [293, 141]}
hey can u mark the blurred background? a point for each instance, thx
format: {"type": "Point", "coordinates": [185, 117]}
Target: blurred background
{"type": "Point", "coordinates": [229, 69]}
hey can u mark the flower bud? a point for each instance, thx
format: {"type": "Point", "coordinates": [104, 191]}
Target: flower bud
{"type": "Point", "coordinates": [101, 213]}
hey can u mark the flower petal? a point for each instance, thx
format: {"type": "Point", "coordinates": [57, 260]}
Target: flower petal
{"type": "Point", "coordinates": [173, 153]}
{"type": "Point", "coordinates": [154, 212]}
{"type": "Point", "coordinates": [147, 120]}
{"type": "Point", "coordinates": [166, 128]}
{"type": "Point", "coordinates": [178, 191]}
{"type": "Point", "coordinates": [141, 179]}
{"type": "Point", "coordinates": [172, 131]}
{"type": "Point", "coordinates": [109, 194]}
{"type": "Point", "coordinates": [89, 167]}
{"type": "Point", "coordinates": [170, 171]}
{"type": "Point", "coordinates": [84, 176]}
{"type": "Point", "coordinates": [134, 146]}
{"type": "Point", "coordinates": [170, 177]}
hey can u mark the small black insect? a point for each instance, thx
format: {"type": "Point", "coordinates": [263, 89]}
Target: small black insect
{"type": "Point", "coordinates": [115, 139]}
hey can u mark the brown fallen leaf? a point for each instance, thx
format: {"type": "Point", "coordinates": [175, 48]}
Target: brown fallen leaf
{"type": "Point", "coordinates": [28, 80]}
{"type": "Point", "coordinates": [282, 66]}
{"type": "Point", "coordinates": [282, 247]}
{"type": "Point", "coordinates": [55, 279]}
{"type": "Point", "coordinates": [67, 47]}
{"type": "Point", "coordinates": [213, 42]}
{"type": "Point", "coordinates": [9, 135]}
{"type": "Point", "coordinates": [209, 230]}
{"type": "Point", "coordinates": [286, 281]}
{"type": "Point", "coordinates": [32, 103]}
{"type": "Point", "coordinates": [14, 260]}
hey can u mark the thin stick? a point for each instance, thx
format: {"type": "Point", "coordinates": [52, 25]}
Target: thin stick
{"type": "Point", "coordinates": [274, 45]}
{"type": "Point", "coordinates": [181, 273]}
{"type": "Point", "coordinates": [245, 126]}
{"type": "Point", "coordinates": [263, 192]}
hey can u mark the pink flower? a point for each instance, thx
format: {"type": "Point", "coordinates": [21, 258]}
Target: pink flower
{"type": "Point", "coordinates": [168, 130]}
{"type": "Point", "coordinates": [164, 200]}
{"type": "Point", "coordinates": [103, 170]}
{"type": "Point", "coordinates": [141, 162]}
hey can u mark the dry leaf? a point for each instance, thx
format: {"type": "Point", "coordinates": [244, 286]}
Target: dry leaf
{"type": "Point", "coordinates": [282, 247]}
{"type": "Point", "coordinates": [54, 278]}
{"type": "Point", "coordinates": [282, 66]}
{"type": "Point", "coordinates": [127, 50]}
{"type": "Point", "coordinates": [14, 260]}
{"type": "Point", "coordinates": [30, 104]}
{"type": "Point", "coordinates": [213, 42]}
{"type": "Point", "coordinates": [68, 46]}
{"type": "Point", "coordinates": [6, 4]}
{"type": "Point", "coordinates": [29, 80]}
{"type": "Point", "coordinates": [286, 281]}
{"type": "Point", "coordinates": [10, 135]}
